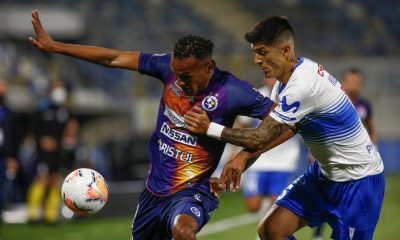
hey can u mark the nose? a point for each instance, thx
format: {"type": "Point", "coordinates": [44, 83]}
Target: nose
{"type": "Point", "coordinates": [257, 59]}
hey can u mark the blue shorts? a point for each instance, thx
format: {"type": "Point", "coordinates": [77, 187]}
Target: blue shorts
{"type": "Point", "coordinates": [351, 208]}
{"type": "Point", "coordinates": [155, 215]}
{"type": "Point", "coordinates": [265, 183]}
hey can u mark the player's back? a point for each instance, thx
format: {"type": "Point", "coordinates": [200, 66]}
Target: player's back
{"type": "Point", "coordinates": [328, 122]}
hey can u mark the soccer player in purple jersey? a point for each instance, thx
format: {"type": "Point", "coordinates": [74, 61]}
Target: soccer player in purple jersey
{"type": "Point", "coordinates": [177, 201]}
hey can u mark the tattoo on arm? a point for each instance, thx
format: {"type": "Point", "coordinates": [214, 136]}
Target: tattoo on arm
{"type": "Point", "coordinates": [255, 138]}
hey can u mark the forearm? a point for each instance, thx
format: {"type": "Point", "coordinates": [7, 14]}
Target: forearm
{"type": "Point", "coordinates": [255, 138]}
{"type": "Point", "coordinates": [103, 56]}
{"type": "Point", "coordinates": [253, 154]}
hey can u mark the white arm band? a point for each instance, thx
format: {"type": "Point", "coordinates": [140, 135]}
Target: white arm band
{"type": "Point", "coordinates": [215, 130]}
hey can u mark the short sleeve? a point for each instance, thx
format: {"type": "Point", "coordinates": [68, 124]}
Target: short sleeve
{"type": "Point", "coordinates": [155, 65]}
{"type": "Point", "coordinates": [295, 102]}
{"type": "Point", "coordinates": [250, 101]}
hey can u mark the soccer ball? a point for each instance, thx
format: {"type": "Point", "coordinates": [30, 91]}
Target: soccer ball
{"type": "Point", "coordinates": [84, 191]}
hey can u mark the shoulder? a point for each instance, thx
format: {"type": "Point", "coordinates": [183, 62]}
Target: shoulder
{"type": "Point", "coordinates": [160, 56]}
{"type": "Point", "coordinates": [231, 82]}
{"type": "Point", "coordinates": [307, 69]}
{"type": "Point", "coordinates": [150, 60]}
{"type": "Point", "coordinates": [306, 75]}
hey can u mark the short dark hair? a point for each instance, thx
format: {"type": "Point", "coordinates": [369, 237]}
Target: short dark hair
{"type": "Point", "coordinates": [270, 31]}
{"type": "Point", "coordinates": [352, 70]}
{"type": "Point", "coordinates": [193, 45]}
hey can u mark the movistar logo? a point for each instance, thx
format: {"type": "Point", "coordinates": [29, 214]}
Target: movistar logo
{"type": "Point", "coordinates": [287, 107]}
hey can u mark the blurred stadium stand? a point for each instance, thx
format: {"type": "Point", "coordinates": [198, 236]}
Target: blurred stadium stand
{"type": "Point", "coordinates": [118, 108]}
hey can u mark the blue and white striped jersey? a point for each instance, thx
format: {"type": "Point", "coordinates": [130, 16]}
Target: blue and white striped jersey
{"type": "Point", "coordinates": [328, 122]}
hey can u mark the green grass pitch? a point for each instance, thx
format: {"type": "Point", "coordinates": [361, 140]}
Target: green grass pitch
{"type": "Point", "coordinates": [231, 205]}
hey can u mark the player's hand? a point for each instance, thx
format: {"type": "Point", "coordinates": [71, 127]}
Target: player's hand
{"type": "Point", "coordinates": [232, 172]}
{"type": "Point", "coordinates": [197, 121]}
{"type": "Point", "coordinates": [216, 187]}
{"type": "Point", "coordinates": [43, 41]}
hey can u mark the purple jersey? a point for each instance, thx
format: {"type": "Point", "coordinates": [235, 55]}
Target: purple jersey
{"type": "Point", "coordinates": [363, 109]}
{"type": "Point", "coordinates": [179, 159]}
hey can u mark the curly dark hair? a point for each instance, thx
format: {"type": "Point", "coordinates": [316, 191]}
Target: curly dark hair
{"type": "Point", "coordinates": [193, 45]}
{"type": "Point", "coordinates": [270, 31]}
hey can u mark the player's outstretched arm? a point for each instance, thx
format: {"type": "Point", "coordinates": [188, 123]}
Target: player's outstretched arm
{"type": "Point", "coordinates": [104, 56]}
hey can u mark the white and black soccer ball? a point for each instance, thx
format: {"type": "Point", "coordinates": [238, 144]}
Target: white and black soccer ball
{"type": "Point", "coordinates": [84, 191]}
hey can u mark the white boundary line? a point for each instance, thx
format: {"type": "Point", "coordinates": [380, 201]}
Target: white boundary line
{"type": "Point", "coordinates": [229, 223]}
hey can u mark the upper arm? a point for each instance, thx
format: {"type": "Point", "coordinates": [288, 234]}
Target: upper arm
{"type": "Point", "coordinates": [155, 65]}
{"type": "Point", "coordinates": [269, 129]}
{"type": "Point", "coordinates": [251, 102]}
{"type": "Point", "coordinates": [127, 60]}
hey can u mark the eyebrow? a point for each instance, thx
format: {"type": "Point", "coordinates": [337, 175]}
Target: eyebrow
{"type": "Point", "coordinates": [259, 49]}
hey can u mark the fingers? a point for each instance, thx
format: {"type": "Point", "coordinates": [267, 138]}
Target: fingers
{"type": "Point", "coordinates": [33, 41]}
{"type": "Point", "coordinates": [231, 177]}
{"type": "Point", "coordinates": [226, 177]}
{"type": "Point", "coordinates": [194, 124]}
{"type": "Point", "coordinates": [215, 187]}
{"type": "Point", "coordinates": [236, 181]}
{"type": "Point", "coordinates": [36, 23]}
{"type": "Point", "coordinates": [35, 26]}
{"type": "Point", "coordinates": [198, 110]}
{"type": "Point", "coordinates": [37, 18]}
{"type": "Point", "coordinates": [192, 113]}
{"type": "Point", "coordinates": [190, 123]}
{"type": "Point", "coordinates": [191, 119]}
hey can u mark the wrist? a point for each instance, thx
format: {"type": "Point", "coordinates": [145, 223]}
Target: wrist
{"type": "Point", "coordinates": [215, 130]}
{"type": "Point", "coordinates": [55, 47]}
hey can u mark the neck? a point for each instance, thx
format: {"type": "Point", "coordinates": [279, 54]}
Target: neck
{"type": "Point", "coordinates": [289, 70]}
{"type": "Point", "coordinates": [207, 82]}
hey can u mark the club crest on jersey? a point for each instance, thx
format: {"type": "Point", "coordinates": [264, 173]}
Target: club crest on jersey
{"type": "Point", "coordinates": [209, 103]}
{"type": "Point", "coordinates": [288, 107]}
{"type": "Point", "coordinates": [196, 211]}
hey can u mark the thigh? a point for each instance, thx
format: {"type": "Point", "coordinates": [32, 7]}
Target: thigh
{"type": "Point", "coordinates": [191, 210]}
{"type": "Point", "coordinates": [197, 205]}
{"type": "Point", "coordinates": [304, 198]}
{"type": "Point", "coordinates": [282, 221]}
{"type": "Point", "coordinates": [146, 222]}
{"type": "Point", "coordinates": [185, 220]}
{"type": "Point", "coordinates": [358, 213]}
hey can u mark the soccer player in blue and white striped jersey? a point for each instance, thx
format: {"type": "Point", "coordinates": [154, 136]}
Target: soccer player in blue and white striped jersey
{"type": "Point", "coordinates": [345, 186]}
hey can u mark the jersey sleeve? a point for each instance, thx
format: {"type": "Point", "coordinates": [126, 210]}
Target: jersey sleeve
{"type": "Point", "coordinates": [250, 101]}
{"type": "Point", "coordinates": [295, 102]}
{"type": "Point", "coordinates": [155, 65]}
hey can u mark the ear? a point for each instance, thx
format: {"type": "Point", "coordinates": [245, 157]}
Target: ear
{"type": "Point", "coordinates": [286, 51]}
{"type": "Point", "coordinates": [209, 66]}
